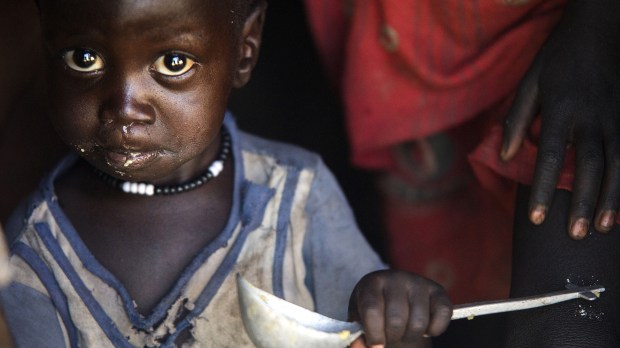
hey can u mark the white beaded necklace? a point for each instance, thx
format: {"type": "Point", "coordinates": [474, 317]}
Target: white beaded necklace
{"type": "Point", "coordinates": [146, 189]}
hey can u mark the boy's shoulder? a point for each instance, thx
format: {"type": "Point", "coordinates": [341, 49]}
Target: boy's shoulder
{"type": "Point", "coordinates": [272, 152]}
{"type": "Point", "coordinates": [18, 219]}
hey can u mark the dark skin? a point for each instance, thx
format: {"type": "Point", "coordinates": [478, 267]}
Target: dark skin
{"type": "Point", "coordinates": [574, 83]}
{"type": "Point", "coordinates": [400, 309]}
{"type": "Point", "coordinates": [135, 243]}
{"type": "Point", "coordinates": [119, 105]}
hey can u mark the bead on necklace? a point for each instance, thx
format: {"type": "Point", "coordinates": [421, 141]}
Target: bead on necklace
{"type": "Point", "coordinates": [147, 189]}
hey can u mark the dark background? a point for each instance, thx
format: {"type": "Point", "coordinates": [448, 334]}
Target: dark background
{"type": "Point", "coordinates": [288, 98]}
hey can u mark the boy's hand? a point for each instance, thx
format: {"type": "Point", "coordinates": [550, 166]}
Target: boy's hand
{"type": "Point", "coordinates": [395, 306]}
{"type": "Point", "coordinates": [575, 84]}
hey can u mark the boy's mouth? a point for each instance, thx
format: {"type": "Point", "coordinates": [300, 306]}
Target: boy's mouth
{"type": "Point", "coordinates": [129, 159]}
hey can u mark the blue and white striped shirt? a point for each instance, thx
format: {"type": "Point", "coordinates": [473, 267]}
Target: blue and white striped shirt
{"type": "Point", "coordinates": [290, 232]}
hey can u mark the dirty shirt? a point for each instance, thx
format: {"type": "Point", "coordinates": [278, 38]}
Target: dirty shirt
{"type": "Point", "coordinates": [290, 232]}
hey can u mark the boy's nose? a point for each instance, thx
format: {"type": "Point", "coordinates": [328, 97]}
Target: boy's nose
{"type": "Point", "coordinates": [129, 102]}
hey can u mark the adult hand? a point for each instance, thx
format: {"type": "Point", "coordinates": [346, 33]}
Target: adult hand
{"type": "Point", "coordinates": [575, 84]}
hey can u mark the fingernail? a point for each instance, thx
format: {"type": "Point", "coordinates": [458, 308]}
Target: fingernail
{"type": "Point", "coordinates": [426, 336]}
{"type": "Point", "coordinates": [503, 153]}
{"type": "Point", "coordinates": [606, 220]}
{"type": "Point", "coordinates": [378, 346]}
{"type": "Point", "coordinates": [579, 228]}
{"type": "Point", "coordinates": [537, 215]}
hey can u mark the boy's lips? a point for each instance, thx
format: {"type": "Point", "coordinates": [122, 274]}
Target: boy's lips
{"type": "Point", "coordinates": [129, 159]}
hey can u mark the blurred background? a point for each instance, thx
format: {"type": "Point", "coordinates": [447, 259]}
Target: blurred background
{"type": "Point", "coordinates": [289, 99]}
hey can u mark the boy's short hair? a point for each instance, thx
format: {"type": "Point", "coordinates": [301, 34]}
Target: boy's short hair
{"type": "Point", "coordinates": [243, 8]}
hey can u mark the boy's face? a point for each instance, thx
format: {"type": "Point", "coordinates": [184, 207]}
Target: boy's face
{"type": "Point", "coordinates": [139, 88]}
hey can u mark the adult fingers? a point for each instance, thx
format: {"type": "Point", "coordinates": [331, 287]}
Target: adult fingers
{"type": "Point", "coordinates": [610, 191]}
{"type": "Point", "coordinates": [588, 174]}
{"type": "Point", "coordinates": [549, 161]}
{"type": "Point", "coordinates": [522, 111]}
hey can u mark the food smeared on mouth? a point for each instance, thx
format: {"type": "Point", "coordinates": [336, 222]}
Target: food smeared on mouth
{"type": "Point", "coordinates": [129, 159]}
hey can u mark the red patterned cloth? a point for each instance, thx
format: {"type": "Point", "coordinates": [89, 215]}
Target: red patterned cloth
{"type": "Point", "coordinates": [500, 177]}
{"type": "Point", "coordinates": [424, 83]}
{"type": "Point", "coordinates": [411, 68]}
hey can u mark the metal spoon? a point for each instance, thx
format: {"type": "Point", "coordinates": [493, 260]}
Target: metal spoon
{"type": "Point", "coordinates": [272, 322]}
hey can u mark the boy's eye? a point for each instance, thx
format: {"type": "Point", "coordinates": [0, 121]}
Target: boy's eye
{"type": "Point", "coordinates": [173, 64]}
{"type": "Point", "coordinates": [83, 60]}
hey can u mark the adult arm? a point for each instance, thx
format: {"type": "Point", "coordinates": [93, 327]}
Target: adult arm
{"type": "Point", "coordinates": [574, 83]}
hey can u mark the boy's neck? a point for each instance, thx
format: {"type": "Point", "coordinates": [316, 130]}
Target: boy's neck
{"type": "Point", "coordinates": [148, 189]}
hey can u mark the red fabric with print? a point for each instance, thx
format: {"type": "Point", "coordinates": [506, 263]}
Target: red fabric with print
{"type": "Point", "coordinates": [409, 69]}
{"type": "Point", "coordinates": [434, 78]}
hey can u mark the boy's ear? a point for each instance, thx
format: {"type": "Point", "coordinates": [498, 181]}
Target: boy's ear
{"type": "Point", "coordinates": [249, 45]}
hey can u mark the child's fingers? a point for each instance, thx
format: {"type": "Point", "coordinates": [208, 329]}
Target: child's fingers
{"type": "Point", "coordinates": [418, 316]}
{"type": "Point", "coordinates": [396, 313]}
{"type": "Point", "coordinates": [358, 343]}
{"type": "Point", "coordinates": [371, 313]}
{"type": "Point", "coordinates": [441, 314]}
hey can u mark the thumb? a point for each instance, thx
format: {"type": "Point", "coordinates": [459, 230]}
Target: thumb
{"type": "Point", "coordinates": [521, 113]}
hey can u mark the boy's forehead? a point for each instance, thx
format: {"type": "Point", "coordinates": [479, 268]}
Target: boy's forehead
{"type": "Point", "coordinates": [138, 13]}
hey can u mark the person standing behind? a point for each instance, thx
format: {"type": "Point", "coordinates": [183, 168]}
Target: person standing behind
{"type": "Point", "coordinates": [460, 104]}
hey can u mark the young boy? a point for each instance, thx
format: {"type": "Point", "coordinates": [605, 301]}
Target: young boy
{"type": "Point", "coordinates": [136, 240]}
